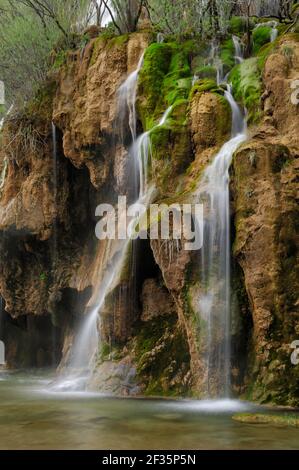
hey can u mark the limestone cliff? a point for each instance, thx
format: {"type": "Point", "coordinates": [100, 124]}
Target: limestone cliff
{"type": "Point", "coordinates": [265, 198]}
{"type": "Point", "coordinates": [52, 264]}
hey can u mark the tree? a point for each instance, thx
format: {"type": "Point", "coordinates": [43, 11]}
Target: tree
{"type": "Point", "coordinates": [28, 33]}
{"type": "Point", "coordinates": [125, 14]}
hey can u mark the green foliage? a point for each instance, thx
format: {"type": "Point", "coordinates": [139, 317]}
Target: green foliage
{"type": "Point", "coordinates": [261, 36]}
{"type": "Point", "coordinates": [247, 87]}
{"type": "Point", "coordinates": [27, 39]}
{"type": "Point", "coordinates": [155, 66]}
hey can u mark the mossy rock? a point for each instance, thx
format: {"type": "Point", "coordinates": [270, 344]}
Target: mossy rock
{"type": "Point", "coordinates": [264, 53]}
{"type": "Point", "coordinates": [206, 71]}
{"type": "Point", "coordinates": [155, 67]}
{"type": "Point", "coordinates": [261, 36]}
{"type": "Point", "coordinates": [162, 356]}
{"type": "Point", "coordinates": [40, 107]}
{"type": "Point", "coordinates": [164, 79]}
{"type": "Point", "coordinates": [238, 24]}
{"type": "Point", "coordinates": [203, 85]}
{"type": "Point", "coordinates": [227, 54]}
{"type": "Point", "coordinates": [247, 87]}
{"type": "Point", "coordinates": [285, 420]}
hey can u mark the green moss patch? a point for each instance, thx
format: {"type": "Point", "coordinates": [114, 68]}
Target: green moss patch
{"type": "Point", "coordinates": [162, 357]}
{"type": "Point", "coordinates": [164, 79]}
{"type": "Point", "coordinates": [261, 36]}
{"type": "Point", "coordinates": [247, 87]}
{"type": "Point", "coordinates": [275, 419]}
{"type": "Point", "coordinates": [238, 24]}
{"type": "Point", "coordinates": [227, 54]}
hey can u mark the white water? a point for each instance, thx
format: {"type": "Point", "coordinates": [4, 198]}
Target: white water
{"type": "Point", "coordinates": [215, 298]}
{"type": "Point", "coordinates": [274, 34]}
{"type": "Point", "coordinates": [239, 57]}
{"type": "Point", "coordinates": [141, 153]}
{"type": "Point", "coordinates": [214, 61]}
{"type": "Point", "coordinates": [86, 344]}
{"type": "Point", "coordinates": [127, 94]}
{"type": "Point", "coordinates": [160, 38]}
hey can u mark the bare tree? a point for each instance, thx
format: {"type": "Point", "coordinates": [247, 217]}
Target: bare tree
{"type": "Point", "coordinates": [125, 14]}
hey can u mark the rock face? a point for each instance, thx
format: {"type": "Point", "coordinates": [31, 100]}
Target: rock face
{"type": "Point", "coordinates": [85, 106]}
{"type": "Point", "coordinates": [51, 257]}
{"type": "Point", "coordinates": [265, 193]}
{"type": "Point", "coordinates": [52, 264]}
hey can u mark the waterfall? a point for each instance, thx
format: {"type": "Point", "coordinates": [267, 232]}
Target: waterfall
{"type": "Point", "coordinates": [214, 61]}
{"type": "Point", "coordinates": [160, 38]}
{"type": "Point", "coordinates": [215, 299]}
{"type": "Point", "coordinates": [274, 34]}
{"type": "Point", "coordinates": [54, 245]}
{"type": "Point", "coordinates": [87, 341]}
{"type": "Point", "coordinates": [127, 94]}
{"type": "Point", "coordinates": [239, 57]}
{"type": "Point", "coordinates": [141, 152]}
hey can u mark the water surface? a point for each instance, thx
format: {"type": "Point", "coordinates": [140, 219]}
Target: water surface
{"type": "Point", "coordinates": [31, 417]}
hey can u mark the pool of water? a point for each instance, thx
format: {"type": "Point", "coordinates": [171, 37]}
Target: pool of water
{"type": "Point", "coordinates": [33, 417]}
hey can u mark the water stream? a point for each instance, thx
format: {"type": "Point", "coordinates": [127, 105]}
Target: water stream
{"type": "Point", "coordinates": [239, 57]}
{"type": "Point", "coordinates": [215, 297]}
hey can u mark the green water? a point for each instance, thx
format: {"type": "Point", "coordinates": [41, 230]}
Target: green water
{"type": "Point", "coordinates": [33, 418]}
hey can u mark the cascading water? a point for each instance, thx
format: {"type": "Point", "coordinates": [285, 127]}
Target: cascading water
{"type": "Point", "coordinates": [141, 152]}
{"type": "Point", "coordinates": [160, 38]}
{"type": "Point", "coordinates": [127, 94]}
{"type": "Point", "coordinates": [274, 34]}
{"type": "Point", "coordinates": [87, 341]}
{"type": "Point", "coordinates": [239, 57]}
{"type": "Point", "coordinates": [215, 298]}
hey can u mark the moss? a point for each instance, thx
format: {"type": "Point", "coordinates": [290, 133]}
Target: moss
{"type": "Point", "coordinates": [161, 354]}
{"type": "Point", "coordinates": [275, 419]}
{"type": "Point", "coordinates": [264, 53]}
{"type": "Point", "coordinates": [41, 105]}
{"type": "Point", "coordinates": [151, 76]}
{"type": "Point", "coordinates": [108, 40]}
{"type": "Point", "coordinates": [238, 24]}
{"type": "Point", "coordinates": [227, 54]}
{"type": "Point", "coordinates": [247, 87]}
{"type": "Point", "coordinates": [207, 71]}
{"type": "Point", "coordinates": [118, 41]}
{"type": "Point", "coordinates": [204, 85]}
{"type": "Point", "coordinates": [261, 36]}
{"type": "Point", "coordinates": [164, 79]}
{"type": "Point", "coordinates": [60, 59]}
